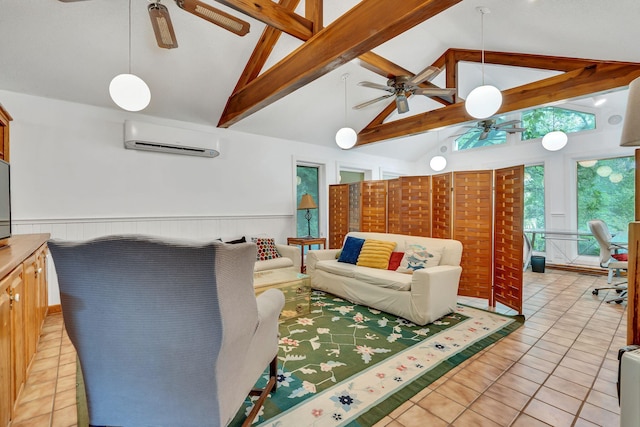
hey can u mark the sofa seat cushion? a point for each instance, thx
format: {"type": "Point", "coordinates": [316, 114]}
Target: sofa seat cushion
{"type": "Point", "coordinates": [373, 276]}
{"type": "Point", "coordinates": [270, 264]}
{"type": "Point", "coordinates": [335, 267]}
{"type": "Point", "coordinates": [384, 278]}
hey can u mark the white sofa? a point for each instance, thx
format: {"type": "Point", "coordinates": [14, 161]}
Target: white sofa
{"type": "Point", "coordinates": [421, 297]}
{"type": "Point", "coordinates": [290, 259]}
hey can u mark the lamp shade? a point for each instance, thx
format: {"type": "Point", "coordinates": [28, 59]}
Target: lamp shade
{"type": "Point", "coordinates": [483, 101]}
{"type": "Point", "coordinates": [129, 92]}
{"type": "Point", "coordinates": [438, 163]}
{"type": "Point", "coordinates": [554, 141]}
{"type": "Point", "coordinates": [631, 127]}
{"type": "Point", "coordinates": [346, 138]}
{"type": "Point", "coordinates": [307, 202]}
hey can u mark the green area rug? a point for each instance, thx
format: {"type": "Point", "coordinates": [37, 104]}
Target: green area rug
{"type": "Point", "coordinates": [345, 364]}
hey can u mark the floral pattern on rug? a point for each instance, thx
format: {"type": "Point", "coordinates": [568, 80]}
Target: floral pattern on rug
{"type": "Point", "coordinates": [343, 360]}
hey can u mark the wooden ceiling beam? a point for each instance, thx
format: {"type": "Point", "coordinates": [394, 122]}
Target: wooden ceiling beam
{"type": "Point", "coordinates": [263, 49]}
{"type": "Point", "coordinates": [596, 77]}
{"type": "Point", "coordinates": [275, 15]}
{"type": "Point", "coordinates": [367, 25]}
{"type": "Point", "coordinates": [542, 62]}
{"type": "Point", "coordinates": [314, 11]}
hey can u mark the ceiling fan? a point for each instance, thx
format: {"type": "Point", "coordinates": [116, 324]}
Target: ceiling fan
{"type": "Point", "coordinates": [486, 127]}
{"type": "Point", "coordinates": [404, 86]}
{"type": "Point", "coordinates": [163, 28]}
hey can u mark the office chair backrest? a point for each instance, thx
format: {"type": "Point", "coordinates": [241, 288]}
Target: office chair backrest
{"type": "Point", "coordinates": [602, 235]}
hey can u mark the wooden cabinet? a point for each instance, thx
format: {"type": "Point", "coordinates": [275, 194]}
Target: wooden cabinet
{"type": "Point", "coordinates": [5, 118]}
{"type": "Point", "coordinates": [23, 307]}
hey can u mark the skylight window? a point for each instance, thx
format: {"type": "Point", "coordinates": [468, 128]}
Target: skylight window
{"type": "Point", "coordinates": [483, 134]}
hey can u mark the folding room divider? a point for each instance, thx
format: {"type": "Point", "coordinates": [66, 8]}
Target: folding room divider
{"type": "Point", "coordinates": [482, 209]}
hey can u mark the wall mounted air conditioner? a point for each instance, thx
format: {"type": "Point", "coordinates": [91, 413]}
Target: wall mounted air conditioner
{"type": "Point", "coordinates": [171, 140]}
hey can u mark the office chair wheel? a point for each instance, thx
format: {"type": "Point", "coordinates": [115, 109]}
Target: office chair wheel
{"type": "Point", "coordinates": [595, 292]}
{"type": "Point", "coordinates": [619, 290]}
{"type": "Point", "coordinates": [618, 301]}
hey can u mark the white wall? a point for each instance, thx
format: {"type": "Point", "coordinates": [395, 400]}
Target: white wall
{"type": "Point", "coordinates": [72, 177]}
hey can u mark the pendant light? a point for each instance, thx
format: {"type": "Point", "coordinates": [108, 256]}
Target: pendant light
{"type": "Point", "coordinates": [438, 163]}
{"type": "Point", "coordinates": [346, 137]}
{"type": "Point", "coordinates": [483, 101]}
{"type": "Point", "coordinates": [129, 91]}
{"type": "Point", "coordinates": [556, 139]}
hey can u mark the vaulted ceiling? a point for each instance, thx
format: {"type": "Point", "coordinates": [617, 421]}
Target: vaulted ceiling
{"type": "Point", "coordinates": [285, 78]}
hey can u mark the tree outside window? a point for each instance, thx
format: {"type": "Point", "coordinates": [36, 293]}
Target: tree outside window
{"type": "Point", "coordinates": [534, 202]}
{"type": "Point", "coordinates": [307, 180]}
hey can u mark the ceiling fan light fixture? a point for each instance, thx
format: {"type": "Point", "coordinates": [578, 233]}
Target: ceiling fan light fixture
{"type": "Point", "coordinates": [129, 92]}
{"type": "Point", "coordinates": [555, 140]}
{"type": "Point", "coordinates": [402, 104]}
{"type": "Point", "coordinates": [483, 101]}
{"type": "Point", "coordinates": [631, 127]}
{"type": "Point", "coordinates": [162, 26]}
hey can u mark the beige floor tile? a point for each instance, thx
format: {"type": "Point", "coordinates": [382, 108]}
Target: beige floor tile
{"type": "Point", "coordinates": [559, 400]}
{"type": "Point", "coordinates": [567, 387]}
{"type": "Point", "coordinates": [599, 416]}
{"type": "Point", "coordinates": [605, 401]}
{"type": "Point", "coordinates": [64, 399]}
{"type": "Point", "coordinates": [34, 408]}
{"type": "Point", "coordinates": [494, 410]}
{"type": "Point", "coordinates": [33, 391]}
{"type": "Point", "coordinates": [441, 406]}
{"type": "Point", "coordinates": [458, 392]}
{"type": "Point", "coordinates": [470, 418]}
{"type": "Point", "coordinates": [43, 420]}
{"type": "Point", "coordinates": [519, 384]}
{"type": "Point", "coordinates": [65, 417]}
{"type": "Point", "coordinates": [507, 396]}
{"type": "Point", "coordinates": [383, 422]}
{"type": "Point", "coordinates": [525, 420]}
{"type": "Point", "coordinates": [420, 417]}
{"type": "Point", "coordinates": [530, 373]}
{"type": "Point", "coordinates": [549, 414]}
{"type": "Point", "coordinates": [572, 375]}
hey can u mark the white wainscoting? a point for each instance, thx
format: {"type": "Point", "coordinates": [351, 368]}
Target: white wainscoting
{"type": "Point", "coordinates": [189, 228]}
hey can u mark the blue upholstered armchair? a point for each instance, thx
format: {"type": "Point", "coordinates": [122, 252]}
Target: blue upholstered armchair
{"type": "Point", "coordinates": [167, 333]}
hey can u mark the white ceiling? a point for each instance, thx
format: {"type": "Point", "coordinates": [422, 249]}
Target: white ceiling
{"type": "Point", "coordinates": [71, 51]}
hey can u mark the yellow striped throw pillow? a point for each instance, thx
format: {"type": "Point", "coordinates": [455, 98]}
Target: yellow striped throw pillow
{"type": "Point", "coordinates": [375, 253]}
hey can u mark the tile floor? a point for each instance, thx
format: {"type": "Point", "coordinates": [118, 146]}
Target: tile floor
{"type": "Point", "coordinates": [559, 369]}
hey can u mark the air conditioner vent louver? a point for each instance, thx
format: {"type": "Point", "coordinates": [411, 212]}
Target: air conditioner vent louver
{"type": "Point", "coordinates": [163, 139]}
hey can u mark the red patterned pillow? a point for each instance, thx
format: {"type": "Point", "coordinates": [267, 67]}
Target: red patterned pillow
{"type": "Point", "coordinates": [394, 260]}
{"type": "Point", "coordinates": [266, 248]}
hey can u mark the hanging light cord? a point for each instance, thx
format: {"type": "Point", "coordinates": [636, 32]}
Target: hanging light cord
{"type": "Point", "coordinates": [129, 36]}
{"type": "Point", "coordinates": [344, 78]}
{"type": "Point", "coordinates": [482, 12]}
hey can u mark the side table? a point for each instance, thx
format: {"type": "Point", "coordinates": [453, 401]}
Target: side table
{"type": "Point", "coordinates": [306, 241]}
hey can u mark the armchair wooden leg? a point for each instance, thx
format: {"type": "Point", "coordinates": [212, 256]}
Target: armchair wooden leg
{"type": "Point", "coordinates": [271, 386]}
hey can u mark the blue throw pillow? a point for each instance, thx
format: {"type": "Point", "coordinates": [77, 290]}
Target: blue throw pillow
{"type": "Point", "coordinates": [351, 250]}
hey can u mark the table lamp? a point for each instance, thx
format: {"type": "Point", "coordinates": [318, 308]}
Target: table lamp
{"type": "Point", "coordinates": [307, 202]}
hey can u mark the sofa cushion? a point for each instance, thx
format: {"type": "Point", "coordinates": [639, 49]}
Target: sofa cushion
{"type": "Point", "coordinates": [271, 264]}
{"type": "Point", "coordinates": [384, 278]}
{"type": "Point", "coordinates": [351, 250]}
{"type": "Point", "coordinates": [394, 260]}
{"type": "Point", "coordinates": [417, 256]}
{"type": "Point", "coordinates": [375, 253]}
{"type": "Point", "coordinates": [266, 248]}
{"type": "Point", "coordinates": [335, 267]}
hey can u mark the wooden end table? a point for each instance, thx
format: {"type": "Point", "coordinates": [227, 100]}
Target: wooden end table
{"type": "Point", "coordinates": [306, 241]}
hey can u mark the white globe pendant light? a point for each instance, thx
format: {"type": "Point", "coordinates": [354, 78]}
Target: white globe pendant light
{"type": "Point", "coordinates": [127, 90]}
{"type": "Point", "coordinates": [346, 137]}
{"type": "Point", "coordinates": [554, 141]}
{"type": "Point", "coordinates": [485, 100]}
{"type": "Point", "coordinates": [438, 163]}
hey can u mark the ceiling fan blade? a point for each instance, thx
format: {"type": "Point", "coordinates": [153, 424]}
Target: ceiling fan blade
{"type": "Point", "coordinates": [376, 86]}
{"type": "Point", "coordinates": [426, 74]}
{"type": "Point", "coordinates": [215, 16]}
{"type": "Point", "coordinates": [514, 130]}
{"type": "Point", "coordinates": [435, 91]}
{"type": "Point", "coordinates": [373, 101]}
{"type": "Point", "coordinates": [162, 26]}
{"type": "Point", "coordinates": [507, 123]}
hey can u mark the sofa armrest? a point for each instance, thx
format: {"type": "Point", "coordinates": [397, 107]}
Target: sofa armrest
{"type": "Point", "coordinates": [435, 288]}
{"type": "Point", "coordinates": [318, 255]}
{"type": "Point", "coordinates": [291, 252]}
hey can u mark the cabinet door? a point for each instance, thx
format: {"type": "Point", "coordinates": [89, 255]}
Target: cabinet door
{"type": "Point", "coordinates": [31, 327]}
{"type": "Point", "coordinates": [18, 358]}
{"type": "Point", "coordinates": [6, 401]}
{"type": "Point", "coordinates": [41, 284]}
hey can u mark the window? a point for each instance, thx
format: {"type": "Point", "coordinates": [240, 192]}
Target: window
{"type": "Point", "coordinates": [540, 121]}
{"type": "Point", "coordinates": [481, 135]}
{"type": "Point", "coordinates": [307, 184]}
{"type": "Point", "coordinates": [606, 191]}
{"type": "Point", "coordinates": [347, 177]}
{"type": "Point", "coordinates": [534, 202]}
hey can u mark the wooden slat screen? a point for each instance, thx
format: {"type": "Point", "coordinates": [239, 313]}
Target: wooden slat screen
{"type": "Point", "coordinates": [338, 214]}
{"type": "Point", "coordinates": [374, 206]}
{"type": "Point", "coordinates": [354, 206]}
{"type": "Point", "coordinates": [394, 196]}
{"type": "Point", "coordinates": [441, 206]}
{"type": "Point", "coordinates": [472, 225]}
{"type": "Point", "coordinates": [508, 236]}
{"type": "Point", "coordinates": [415, 211]}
